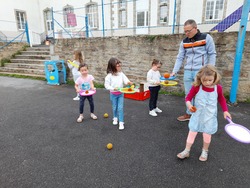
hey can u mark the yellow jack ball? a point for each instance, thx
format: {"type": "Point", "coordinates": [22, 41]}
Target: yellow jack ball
{"type": "Point", "coordinates": [109, 146]}
{"type": "Point", "coordinates": [106, 115]}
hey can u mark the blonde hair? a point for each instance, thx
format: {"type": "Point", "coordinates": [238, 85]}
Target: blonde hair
{"type": "Point", "coordinates": [207, 70]}
{"type": "Point", "coordinates": [78, 56]}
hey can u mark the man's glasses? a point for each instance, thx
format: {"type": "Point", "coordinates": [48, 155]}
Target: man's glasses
{"type": "Point", "coordinates": [188, 31]}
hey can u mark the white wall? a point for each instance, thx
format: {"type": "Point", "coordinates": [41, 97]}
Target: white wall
{"type": "Point", "coordinates": [190, 9]}
{"type": "Point", "coordinates": [8, 19]}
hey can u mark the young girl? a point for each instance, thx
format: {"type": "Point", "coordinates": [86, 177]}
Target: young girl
{"type": "Point", "coordinates": [207, 93]}
{"type": "Point", "coordinates": [153, 78]}
{"type": "Point", "coordinates": [113, 81]}
{"type": "Point", "coordinates": [85, 82]}
{"type": "Point", "coordinates": [78, 59]}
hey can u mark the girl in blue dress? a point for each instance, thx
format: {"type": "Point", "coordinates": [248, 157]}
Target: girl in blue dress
{"type": "Point", "coordinates": [207, 93]}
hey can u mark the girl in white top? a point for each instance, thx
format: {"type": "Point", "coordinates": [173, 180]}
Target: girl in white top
{"type": "Point", "coordinates": [113, 81]}
{"type": "Point", "coordinates": [153, 79]}
{"type": "Point", "coordinates": [78, 59]}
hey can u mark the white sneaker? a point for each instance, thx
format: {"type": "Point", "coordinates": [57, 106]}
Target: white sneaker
{"type": "Point", "coordinates": [80, 119]}
{"type": "Point", "coordinates": [77, 98]}
{"type": "Point", "coordinates": [157, 110]}
{"type": "Point", "coordinates": [115, 121]}
{"type": "Point", "coordinates": [152, 113]}
{"type": "Point", "coordinates": [121, 126]}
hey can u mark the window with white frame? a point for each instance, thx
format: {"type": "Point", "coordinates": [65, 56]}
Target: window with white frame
{"type": "Point", "coordinates": [122, 13]}
{"type": "Point", "coordinates": [142, 18]}
{"type": "Point", "coordinates": [163, 11]}
{"type": "Point", "coordinates": [214, 10]}
{"type": "Point", "coordinates": [48, 19]}
{"type": "Point", "coordinates": [67, 10]}
{"type": "Point", "coordinates": [21, 19]}
{"type": "Point", "coordinates": [92, 15]}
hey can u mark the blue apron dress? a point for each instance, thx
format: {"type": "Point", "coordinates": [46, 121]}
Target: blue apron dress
{"type": "Point", "coordinates": [205, 118]}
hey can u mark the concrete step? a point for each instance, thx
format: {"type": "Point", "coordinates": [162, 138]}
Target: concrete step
{"type": "Point", "coordinates": [46, 57]}
{"type": "Point", "coordinates": [21, 74]}
{"type": "Point", "coordinates": [35, 52]}
{"type": "Point", "coordinates": [22, 70]}
{"type": "Point", "coordinates": [25, 65]}
{"type": "Point", "coordinates": [39, 48]}
{"type": "Point", "coordinates": [29, 61]}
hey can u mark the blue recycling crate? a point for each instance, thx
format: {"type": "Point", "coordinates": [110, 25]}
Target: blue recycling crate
{"type": "Point", "coordinates": [55, 72]}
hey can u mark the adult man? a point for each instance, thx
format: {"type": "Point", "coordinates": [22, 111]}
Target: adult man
{"type": "Point", "coordinates": [197, 49]}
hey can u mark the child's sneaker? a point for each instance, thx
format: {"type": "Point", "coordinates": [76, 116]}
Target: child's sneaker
{"type": "Point", "coordinates": [115, 121]}
{"type": "Point", "coordinates": [80, 119]}
{"type": "Point", "coordinates": [93, 116]}
{"type": "Point", "coordinates": [152, 113]}
{"type": "Point", "coordinates": [204, 155]}
{"type": "Point", "coordinates": [158, 110]}
{"type": "Point", "coordinates": [184, 154]}
{"type": "Point", "coordinates": [121, 126]}
{"type": "Point", "coordinates": [77, 98]}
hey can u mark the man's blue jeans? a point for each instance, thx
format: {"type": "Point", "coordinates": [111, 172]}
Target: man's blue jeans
{"type": "Point", "coordinates": [188, 79]}
{"type": "Point", "coordinates": [117, 106]}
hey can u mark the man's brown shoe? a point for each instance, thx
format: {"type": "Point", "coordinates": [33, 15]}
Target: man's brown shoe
{"type": "Point", "coordinates": [185, 117]}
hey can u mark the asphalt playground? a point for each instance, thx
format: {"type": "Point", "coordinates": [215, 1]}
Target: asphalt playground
{"type": "Point", "coordinates": [42, 145]}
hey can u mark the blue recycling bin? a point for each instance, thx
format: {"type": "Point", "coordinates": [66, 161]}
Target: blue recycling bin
{"type": "Point", "coordinates": [55, 72]}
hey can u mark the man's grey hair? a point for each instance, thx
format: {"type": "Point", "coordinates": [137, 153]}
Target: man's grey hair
{"type": "Point", "coordinates": [190, 22]}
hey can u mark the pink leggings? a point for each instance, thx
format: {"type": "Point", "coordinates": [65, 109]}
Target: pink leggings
{"type": "Point", "coordinates": [192, 135]}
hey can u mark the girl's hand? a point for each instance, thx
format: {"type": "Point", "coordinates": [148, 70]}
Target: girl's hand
{"type": "Point", "coordinates": [130, 83]}
{"type": "Point", "coordinates": [116, 89]}
{"type": "Point", "coordinates": [226, 114]}
{"type": "Point", "coordinates": [172, 74]}
{"type": "Point", "coordinates": [78, 90]}
{"type": "Point", "coordinates": [157, 83]}
{"type": "Point", "coordinates": [192, 108]}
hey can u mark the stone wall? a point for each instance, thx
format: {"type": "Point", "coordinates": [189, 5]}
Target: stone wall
{"type": "Point", "coordinates": [137, 52]}
{"type": "Point", "coordinates": [12, 48]}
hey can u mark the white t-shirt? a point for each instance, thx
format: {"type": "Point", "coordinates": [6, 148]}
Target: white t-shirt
{"type": "Point", "coordinates": [115, 81]}
{"type": "Point", "coordinates": [153, 77]}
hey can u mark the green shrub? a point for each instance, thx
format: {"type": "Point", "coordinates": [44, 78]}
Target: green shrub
{"type": "Point", "coordinates": [4, 60]}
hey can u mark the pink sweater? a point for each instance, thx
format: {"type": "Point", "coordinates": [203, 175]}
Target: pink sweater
{"type": "Point", "coordinates": [221, 99]}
